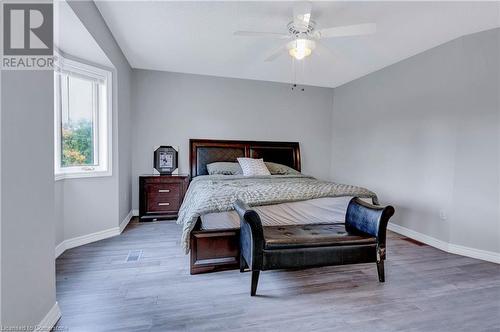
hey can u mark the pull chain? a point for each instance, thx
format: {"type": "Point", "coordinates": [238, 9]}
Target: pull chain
{"type": "Point", "coordinates": [294, 74]}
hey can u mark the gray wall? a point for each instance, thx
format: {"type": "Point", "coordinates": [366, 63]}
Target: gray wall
{"type": "Point", "coordinates": [90, 205]}
{"type": "Point", "coordinates": [424, 134]}
{"type": "Point", "coordinates": [171, 108]}
{"type": "Point", "coordinates": [27, 194]}
{"type": "Point", "coordinates": [59, 212]}
{"type": "Point", "coordinates": [1, 140]}
{"type": "Point", "coordinates": [90, 16]}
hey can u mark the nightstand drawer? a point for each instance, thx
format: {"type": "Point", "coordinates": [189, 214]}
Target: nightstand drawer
{"type": "Point", "coordinates": [163, 189]}
{"type": "Point", "coordinates": [163, 204]}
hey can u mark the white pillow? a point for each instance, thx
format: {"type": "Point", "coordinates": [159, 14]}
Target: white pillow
{"type": "Point", "coordinates": [253, 167]}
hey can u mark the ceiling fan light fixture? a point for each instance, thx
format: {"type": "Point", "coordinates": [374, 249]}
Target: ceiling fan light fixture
{"type": "Point", "coordinates": [301, 48]}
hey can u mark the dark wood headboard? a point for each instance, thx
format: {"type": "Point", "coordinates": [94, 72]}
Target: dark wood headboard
{"type": "Point", "coordinates": [206, 151]}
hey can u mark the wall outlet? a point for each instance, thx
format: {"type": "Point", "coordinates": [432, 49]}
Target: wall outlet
{"type": "Point", "coordinates": [443, 215]}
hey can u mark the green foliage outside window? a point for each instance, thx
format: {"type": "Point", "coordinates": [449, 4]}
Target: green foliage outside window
{"type": "Point", "coordinates": [77, 144]}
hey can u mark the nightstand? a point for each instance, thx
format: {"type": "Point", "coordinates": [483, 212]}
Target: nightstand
{"type": "Point", "coordinates": [160, 196]}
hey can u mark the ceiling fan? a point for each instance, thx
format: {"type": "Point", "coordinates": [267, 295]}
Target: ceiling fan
{"type": "Point", "coordinates": [304, 35]}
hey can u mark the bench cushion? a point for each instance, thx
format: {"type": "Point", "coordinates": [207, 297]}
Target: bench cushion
{"type": "Point", "coordinates": [304, 236]}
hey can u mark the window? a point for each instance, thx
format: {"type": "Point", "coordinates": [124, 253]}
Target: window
{"type": "Point", "coordinates": [82, 120]}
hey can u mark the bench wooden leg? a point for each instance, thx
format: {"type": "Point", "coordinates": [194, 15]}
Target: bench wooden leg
{"type": "Point", "coordinates": [255, 281]}
{"type": "Point", "coordinates": [242, 263]}
{"type": "Point", "coordinates": [380, 270]}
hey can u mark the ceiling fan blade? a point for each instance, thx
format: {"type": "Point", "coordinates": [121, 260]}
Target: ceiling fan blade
{"type": "Point", "coordinates": [329, 54]}
{"type": "Point", "coordinates": [302, 15]}
{"type": "Point", "coordinates": [324, 51]}
{"type": "Point", "coordinates": [348, 30]}
{"type": "Point", "coordinates": [261, 34]}
{"type": "Point", "coordinates": [276, 53]}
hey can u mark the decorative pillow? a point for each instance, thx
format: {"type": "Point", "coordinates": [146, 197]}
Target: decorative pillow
{"type": "Point", "coordinates": [224, 168]}
{"type": "Point", "coordinates": [253, 167]}
{"type": "Point", "coordinates": [279, 169]}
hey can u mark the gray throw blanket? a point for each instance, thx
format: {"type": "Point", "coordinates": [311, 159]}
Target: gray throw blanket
{"type": "Point", "coordinates": [217, 193]}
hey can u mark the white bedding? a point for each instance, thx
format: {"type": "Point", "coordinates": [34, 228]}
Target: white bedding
{"type": "Point", "coordinates": [314, 211]}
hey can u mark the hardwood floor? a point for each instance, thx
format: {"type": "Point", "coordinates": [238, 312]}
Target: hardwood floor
{"type": "Point", "coordinates": [425, 290]}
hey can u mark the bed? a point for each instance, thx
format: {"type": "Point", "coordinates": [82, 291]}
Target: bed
{"type": "Point", "coordinates": [211, 227]}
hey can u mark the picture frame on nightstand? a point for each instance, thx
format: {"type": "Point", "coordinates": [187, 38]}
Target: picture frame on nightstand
{"type": "Point", "coordinates": [165, 160]}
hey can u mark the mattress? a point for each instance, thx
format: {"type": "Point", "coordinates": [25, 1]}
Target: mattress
{"type": "Point", "coordinates": [314, 211]}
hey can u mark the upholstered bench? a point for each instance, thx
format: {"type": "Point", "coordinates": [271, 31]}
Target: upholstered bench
{"type": "Point", "coordinates": [360, 240]}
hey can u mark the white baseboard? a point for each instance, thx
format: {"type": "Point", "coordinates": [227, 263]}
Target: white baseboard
{"type": "Point", "coordinates": [93, 237]}
{"type": "Point", "coordinates": [432, 241]}
{"type": "Point", "coordinates": [60, 248]}
{"type": "Point", "coordinates": [485, 255]}
{"type": "Point", "coordinates": [135, 212]}
{"type": "Point", "coordinates": [125, 221]}
{"type": "Point", "coordinates": [48, 322]}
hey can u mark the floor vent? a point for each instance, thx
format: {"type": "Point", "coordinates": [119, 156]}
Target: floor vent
{"type": "Point", "coordinates": [134, 255]}
{"type": "Point", "coordinates": [413, 241]}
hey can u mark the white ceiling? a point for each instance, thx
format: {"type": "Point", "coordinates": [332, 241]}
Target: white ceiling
{"type": "Point", "coordinates": [196, 37]}
{"type": "Point", "coordinates": [71, 37]}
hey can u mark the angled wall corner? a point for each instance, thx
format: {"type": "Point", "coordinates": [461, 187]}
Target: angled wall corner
{"type": "Point", "coordinates": [89, 208]}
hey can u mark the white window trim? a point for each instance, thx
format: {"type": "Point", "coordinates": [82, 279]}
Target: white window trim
{"type": "Point", "coordinates": [105, 167]}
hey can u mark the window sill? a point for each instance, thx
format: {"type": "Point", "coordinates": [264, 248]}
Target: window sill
{"type": "Point", "coordinates": [82, 175]}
